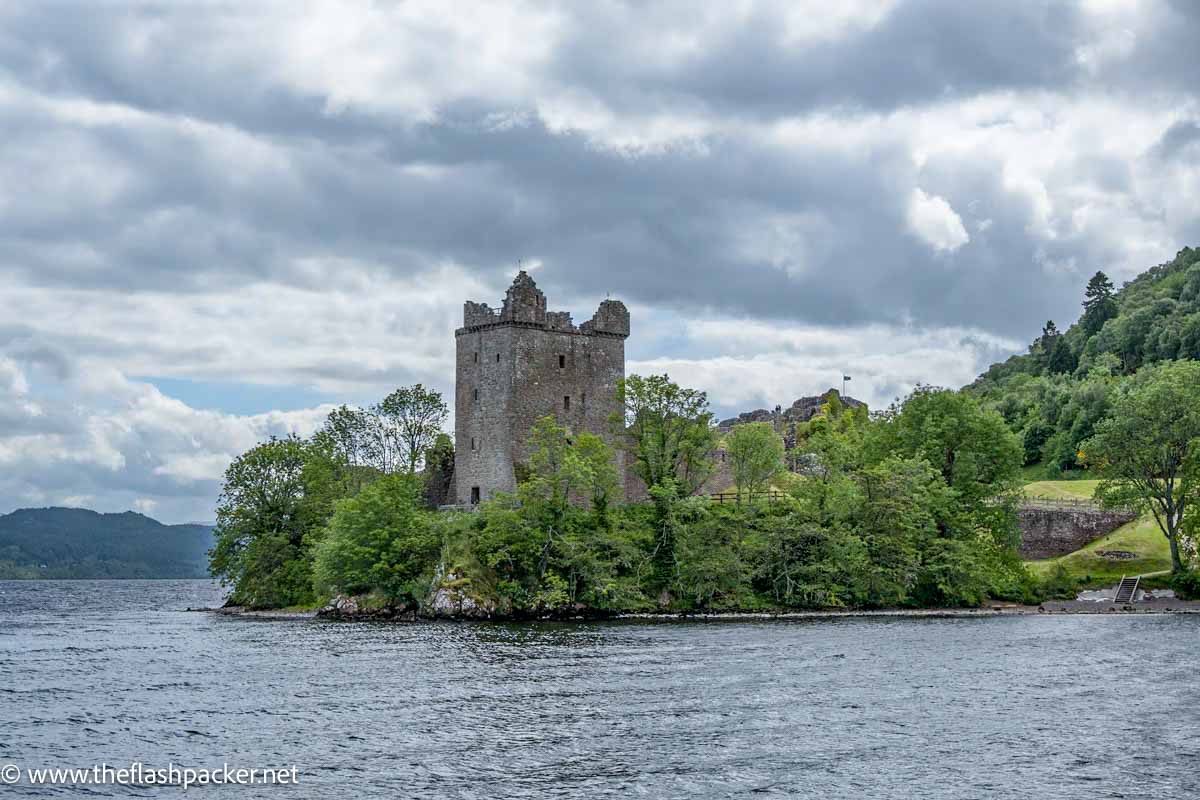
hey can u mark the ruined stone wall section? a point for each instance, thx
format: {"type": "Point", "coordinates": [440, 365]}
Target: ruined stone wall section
{"type": "Point", "coordinates": [612, 317]}
{"type": "Point", "coordinates": [523, 364]}
{"type": "Point", "coordinates": [475, 314]}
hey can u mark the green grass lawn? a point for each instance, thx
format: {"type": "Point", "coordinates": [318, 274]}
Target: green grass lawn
{"type": "Point", "coordinates": [1062, 490]}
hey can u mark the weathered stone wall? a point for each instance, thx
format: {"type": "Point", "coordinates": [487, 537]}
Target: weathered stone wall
{"type": "Point", "coordinates": [804, 409]}
{"type": "Point", "coordinates": [1048, 533]}
{"type": "Point", "coordinates": [523, 363]}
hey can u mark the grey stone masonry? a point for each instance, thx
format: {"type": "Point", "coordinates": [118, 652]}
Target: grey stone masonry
{"type": "Point", "coordinates": [1049, 532]}
{"type": "Point", "coordinates": [520, 363]}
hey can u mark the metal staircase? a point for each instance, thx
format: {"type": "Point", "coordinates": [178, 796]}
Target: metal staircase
{"type": "Point", "coordinates": [1126, 589]}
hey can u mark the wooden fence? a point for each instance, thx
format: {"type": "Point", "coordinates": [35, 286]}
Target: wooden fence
{"type": "Point", "coordinates": [746, 497]}
{"type": "Point", "coordinates": [1054, 504]}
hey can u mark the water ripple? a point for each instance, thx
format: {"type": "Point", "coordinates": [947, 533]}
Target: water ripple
{"type": "Point", "coordinates": [945, 708]}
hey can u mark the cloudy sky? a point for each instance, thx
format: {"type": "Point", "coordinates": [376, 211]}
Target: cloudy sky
{"type": "Point", "coordinates": [218, 218]}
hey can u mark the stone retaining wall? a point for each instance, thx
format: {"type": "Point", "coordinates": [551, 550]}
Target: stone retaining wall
{"type": "Point", "coordinates": [1048, 533]}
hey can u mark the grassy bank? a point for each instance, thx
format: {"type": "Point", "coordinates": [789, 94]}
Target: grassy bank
{"type": "Point", "coordinates": [1062, 490]}
{"type": "Point", "coordinates": [1088, 565]}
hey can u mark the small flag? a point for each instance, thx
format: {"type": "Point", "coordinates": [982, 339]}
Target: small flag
{"type": "Point", "coordinates": [845, 377]}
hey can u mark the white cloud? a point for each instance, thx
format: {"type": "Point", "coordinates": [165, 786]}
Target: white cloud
{"type": "Point", "coordinates": [746, 364]}
{"type": "Point", "coordinates": [145, 505]}
{"type": "Point", "coordinates": [932, 219]}
{"type": "Point", "coordinates": [117, 444]}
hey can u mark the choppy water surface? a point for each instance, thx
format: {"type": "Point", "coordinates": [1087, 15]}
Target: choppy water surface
{"type": "Point", "coordinates": [1072, 707]}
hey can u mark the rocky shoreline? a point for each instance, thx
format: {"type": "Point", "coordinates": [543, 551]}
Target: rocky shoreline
{"type": "Point", "coordinates": [348, 610]}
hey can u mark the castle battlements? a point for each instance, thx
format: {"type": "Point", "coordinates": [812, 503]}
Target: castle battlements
{"type": "Point", "coordinates": [525, 306]}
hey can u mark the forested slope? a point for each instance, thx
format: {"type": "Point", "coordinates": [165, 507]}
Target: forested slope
{"type": "Point", "coordinates": [1054, 395]}
{"type": "Point", "coordinates": [77, 543]}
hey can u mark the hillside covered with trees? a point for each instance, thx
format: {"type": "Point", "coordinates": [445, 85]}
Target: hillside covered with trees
{"type": "Point", "coordinates": [1054, 396]}
{"type": "Point", "coordinates": [1117, 398]}
{"type": "Point", "coordinates": [77, 543]}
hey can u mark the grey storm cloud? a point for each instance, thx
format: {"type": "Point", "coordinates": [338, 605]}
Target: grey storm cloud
{"type": "Point", "coordinates": [1178, 138]}
{"type": "Point", "coordinates": [921, 51]}
{"type": "Point", "coordinates": [655, 228]}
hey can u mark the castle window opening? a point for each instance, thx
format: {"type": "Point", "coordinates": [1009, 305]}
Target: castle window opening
{"type": "Point", "coordinates": [583, 400]}
{"type": "Point", "coordinates": [476, 356]}
{"type": "Point", "coordinates": [566, 402]}
{"type": "Point", "coordinates": [497, 358]}
{"type": "Point", "coordinates": [474, 495]}
{"type": "Point", "coordinates": [476, 395]}
{"type": "Point", "coordinates": [472, 442]}
{"type": "Point", "coordinates": [562, 362]}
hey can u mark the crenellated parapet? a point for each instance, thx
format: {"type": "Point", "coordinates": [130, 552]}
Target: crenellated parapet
{"type": "Point", "coordinates": [611, 318]}
{"type": "Point", "coordinates": [478, 314]}
{"type": "Point", "coordinates": [559, 321]}
{"type": "Point", "coordinates": [525, 305]}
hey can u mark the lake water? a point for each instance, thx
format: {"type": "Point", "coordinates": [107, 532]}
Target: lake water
{"type": "Point", "coordinates": [1042, 707]}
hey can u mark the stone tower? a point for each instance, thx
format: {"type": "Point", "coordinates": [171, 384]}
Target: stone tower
{"type": "Point", "coordinates": [521, 363]}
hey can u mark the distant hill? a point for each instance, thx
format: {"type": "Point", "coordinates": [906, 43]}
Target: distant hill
{"type": "Point", "coordinates": [77, 543]}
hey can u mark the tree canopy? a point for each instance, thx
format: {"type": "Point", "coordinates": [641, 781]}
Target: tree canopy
{"type": "Point", "coordinates": [755, 452]}
{"type": "Point", "coordinates": [1148, 449]}
{"type": "Point", "coordinates": [1053, 396]}
{"type": "Point", "coordinates": [669, 430]}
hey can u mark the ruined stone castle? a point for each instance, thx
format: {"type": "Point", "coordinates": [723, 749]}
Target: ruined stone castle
{"type": "Point", "coordinates": [519, 363]}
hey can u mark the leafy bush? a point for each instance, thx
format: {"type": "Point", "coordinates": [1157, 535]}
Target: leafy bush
{"type": "Point", "coordinates": [1186, 585]}
{"type": "Point", "coordinates": [1059, 584]}
{"type": "Point", "coordinates": [380, 541]}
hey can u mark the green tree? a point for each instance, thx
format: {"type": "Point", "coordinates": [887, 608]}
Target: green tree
{"type": "Point", "coordinates": [393, 435]}
{"type": "Point", "coordinates": [379, 541]}
{"type": "Point", "coordinates": [1053, 351]}
{"type": "Point", "coordinates": [275, 499]}
{"type": "Point", "coordinates": [348, 432]}
{"type": "Point", "coordinates": [972, 450]}
{"type": "Point", "coordinates": [755, 452]}
{"type": "Point", "coordinates": [600, 476]}
{"type": "Point", "coordinates": [901, 503]}
{"type": "Point", "coordinates": [542, 550]}
{"type": "Point", "coordinates": [1099, 304]}
{"type": "Point", "coordinates": [970, 447]}
{"type": "Point", "coordinates": [555, 472]}
{"type": "Point", "coordinates": [407, 422]}
{"type": "Point", "coordinates": [669, 430]}
{"type": "Point", "coordinates": [670, 433]}
{"type": "Point", "coordinates": [809, 565]}
{"type": "Point", "coordinates": [710, 565]}
{"type": "Point", "coordinates": [1146, 450]}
